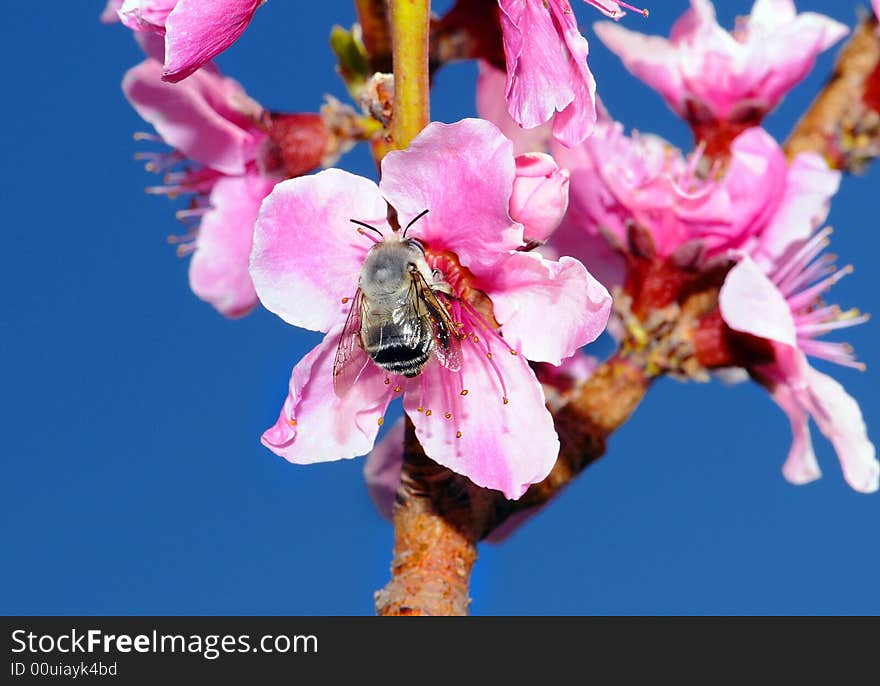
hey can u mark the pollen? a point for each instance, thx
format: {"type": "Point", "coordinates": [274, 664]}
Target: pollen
{"type": "Point", "coordinates": [464, 391]}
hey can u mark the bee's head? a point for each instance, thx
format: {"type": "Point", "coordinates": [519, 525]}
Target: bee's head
{"type": "Point", "coordinates": [389, 265]}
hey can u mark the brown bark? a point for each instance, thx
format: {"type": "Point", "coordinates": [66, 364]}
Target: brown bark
{"type": "Point", "coordinates": [373, 18]}
{"type": "Point", "coordinates": [436, 519]}
{"type": "Point", "coordinates": [843, 124]}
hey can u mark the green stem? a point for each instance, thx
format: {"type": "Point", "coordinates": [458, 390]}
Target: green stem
{"type": "Point", "coordinates": [410, 21]}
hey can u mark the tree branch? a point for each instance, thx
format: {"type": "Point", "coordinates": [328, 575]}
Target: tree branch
{"type": "Point", "coordinates": [843, 124]}
{"type": "Point", "coordinates": [410, 20]}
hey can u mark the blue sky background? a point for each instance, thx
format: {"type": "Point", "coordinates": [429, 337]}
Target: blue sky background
{"type": "Point", "coordinates": [133, 477]}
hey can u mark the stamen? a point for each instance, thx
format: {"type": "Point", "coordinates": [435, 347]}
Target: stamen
{"type": "Point", "coordinates": [805, 297]}
{"type": "Point", "coordinates": [345, 300]}
{"type": "Point", "coordinates": [458, 434]}
{"type": "Point", "coordinates": [838, 353]}
{"type": "Point", "coordinates": [381, 421]}
{"type": "Point", "coordinates": [397, 389]}
{"type": "Point", "coordinates": [191, 213]}
{"type": "Point", "coordinates": [292, 422]}
{"type": "Point", "coordinates": [478, 321]}
{"type": "Point", "coordinates": [803, 256]}
{"type": "Point", "coordinates": [427, 413]}
{"type": "Point", "coordinates": [464, 392]}
{"type": "Point", "coordinates": [448, 415]}
{"type": "Point", "coordinates": [845, 321]}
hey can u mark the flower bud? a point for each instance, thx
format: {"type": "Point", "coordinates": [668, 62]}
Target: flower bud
{"type": "Point", "coordinates": [540, 195]}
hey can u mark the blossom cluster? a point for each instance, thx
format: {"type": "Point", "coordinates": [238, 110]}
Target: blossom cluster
{"type": "Point", "coordinates": [518, 228]}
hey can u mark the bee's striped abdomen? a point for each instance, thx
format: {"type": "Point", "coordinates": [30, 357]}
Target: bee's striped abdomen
{"type": "Point", "coordinates": [402, 351]}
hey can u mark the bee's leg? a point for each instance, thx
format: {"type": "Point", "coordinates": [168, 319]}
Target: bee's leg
{"type": "Point", "coordinates": [439, 283]}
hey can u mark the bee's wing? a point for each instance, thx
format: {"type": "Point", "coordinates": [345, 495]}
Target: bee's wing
{"type": "Point", "coordinates": [447, 342]}
{"type": "Point", "coordinates": [351, 358]}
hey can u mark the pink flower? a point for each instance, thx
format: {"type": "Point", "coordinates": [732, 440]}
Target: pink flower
{"type": "Point", "coordinates": [617, 180]}
{"type": "Point", "coordinates": [384, 464]}
{"type": "Point", "coordinates": [210, 121]}
{"type": "Point", "coordinates": [547, 73]}
{"type": "Point", "coordinates": [482, 415]}
{"type": "Point", "coordinates": [707, 74]}
{"type": "Point", "coordinates": [782, 304]}
{"type": "Point", "coordinates": [758, 201]}
{"type": "Point", "coordinates": [195, 32]}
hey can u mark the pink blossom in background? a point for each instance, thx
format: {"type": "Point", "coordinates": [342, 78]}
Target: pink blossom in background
{"type": "Point", "coordinates": [210, 121]}
{"type": "Point", "coordinates": [617, 181]}
{"type": "Point", "coordinates": [194, 31]}
{"type": "Point", "coordinates": [547, 73]}
{"type": "Point", "coordinates": [492, 106]}
{"type": "Point", "coordinates": [783, 304]}
{"type": "Point", "coordinates": [707, 73]}
{"type": "Point", "coordinates": [756, 200]}
{"type": "Point", "coordinates": [487, 421]}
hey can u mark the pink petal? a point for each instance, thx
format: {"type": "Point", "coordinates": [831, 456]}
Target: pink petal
{"type": "Point", "coordinates": [152, 44]}
{"type": "Point", "coordinates": [198, 31]}
{"type": "Point", "coordinates": [383, 467]}
{"type": "Point", "coordinates": [800, 466]}
{"type": "Point", "coordinates": [463, 173]}
{"type": "Point", "coordinates": [547, 69]}
{"type": "Point", "coordinates": [506, 447]}
{"type": "Point", "coordinates": [540, 195]}
{"type": "Point", "coordinates": [649, 58]}
{"type": "Point", "coordinates": [838, 416]}
{"type": "Point", "coordinates": [145, 15]}
{"type": "Point", "coordinates": [755, 181]}
{"type": "Point", "coordinates": [548, 309]}
{"type": "Point", "coordinates": [110, 14]}
{"type": "Point", "coordinates": [786, 52]}
{"type": "Point", "coordinates": [806, 199]}
{"type": "Point", "coordinates": [198, 117]}
{"type": "Point", "coordinates": [491, 106]}
{"type": "Point", "coordinates": [772, 13]}
{"type": "Point", "coordinates": [218, 272]}
{"type": "Point", "coordinates": [315, 424]}
{"type": "Point", "coordinates": [307, 254]}
{"type": "Point", "coordinates": [575, 239]}
{"type": "Point", "coordinates": [749, 302]}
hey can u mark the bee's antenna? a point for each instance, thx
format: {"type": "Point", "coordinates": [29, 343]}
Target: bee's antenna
{"type": "Point", "coordinates": [366, 226]}
{"type": "Point", "coordinates": [415, 219]}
